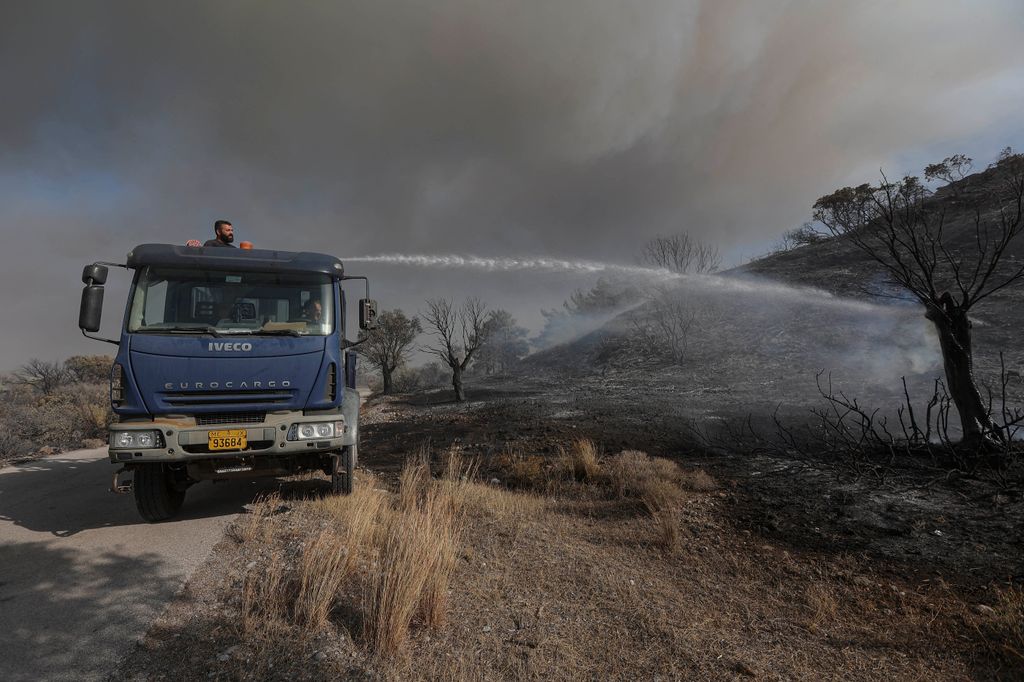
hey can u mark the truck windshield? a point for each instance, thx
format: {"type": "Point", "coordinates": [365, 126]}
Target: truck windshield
{"type": "Point", "coordinates": [166, 300]}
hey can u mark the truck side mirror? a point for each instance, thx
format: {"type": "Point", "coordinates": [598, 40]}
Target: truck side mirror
{"type": "Point", "coordinates": [94, 274]}
{"type": "Point", "coordinates": [91, 309]}
{"type": "Point", "coordinates": [367, 314]}
{"type": "Point", "coordinates": [89, 313]}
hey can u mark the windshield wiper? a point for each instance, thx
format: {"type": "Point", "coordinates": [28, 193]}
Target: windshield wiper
{"type": "Point", "coordinates": [276, 332]}
{"type": "Point", "coordinates": [198, 329]}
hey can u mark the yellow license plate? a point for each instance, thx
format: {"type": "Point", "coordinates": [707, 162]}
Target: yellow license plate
{"type": "Point", "coordinates": [233, 439]}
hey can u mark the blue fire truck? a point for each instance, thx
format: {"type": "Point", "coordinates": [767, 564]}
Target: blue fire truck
{"type": "Point", "coordinates": [231, 363]}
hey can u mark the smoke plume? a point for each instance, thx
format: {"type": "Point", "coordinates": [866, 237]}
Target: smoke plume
{"type": "Point", "coordinates": [573, 129]}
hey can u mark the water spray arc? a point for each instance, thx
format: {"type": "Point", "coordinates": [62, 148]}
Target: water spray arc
{"type": "Point", "coordinates": [511, 264]}
{"type": "Point", "coordinates": [710, 283]}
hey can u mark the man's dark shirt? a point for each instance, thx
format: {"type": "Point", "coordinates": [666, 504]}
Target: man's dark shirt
{"type": "Point", "coordinates": [217, 242]}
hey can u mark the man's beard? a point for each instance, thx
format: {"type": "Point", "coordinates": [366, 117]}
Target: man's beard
{"type": "Point", "coordinates": [227, 238]}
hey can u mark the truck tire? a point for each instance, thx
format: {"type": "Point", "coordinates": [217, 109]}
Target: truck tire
{"type": "Point", "coordinates": [344, 470]}
{"type": "Point", "coordinates": [156, 496]}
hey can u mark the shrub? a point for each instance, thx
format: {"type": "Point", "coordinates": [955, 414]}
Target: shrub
{"type": "Point", "coordinates": [89, 369]}
{"type": "Point", "coordinates": [528, 472]}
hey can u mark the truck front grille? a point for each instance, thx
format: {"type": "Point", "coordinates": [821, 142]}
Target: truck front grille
{"type": "Point", "coordinates": [231, 418]}
{"type": "Point", "coordinates": [213, 398]}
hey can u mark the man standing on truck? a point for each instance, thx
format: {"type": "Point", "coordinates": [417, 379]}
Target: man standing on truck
{"type": "Point", "coordinates": [225, 234]}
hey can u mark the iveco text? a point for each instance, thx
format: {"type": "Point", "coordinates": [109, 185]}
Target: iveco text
{"type": "Point", "coordinates": [220, 345]}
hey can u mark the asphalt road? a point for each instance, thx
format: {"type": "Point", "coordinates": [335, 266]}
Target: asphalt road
{"type": "Point", "coordinates": [81, 575]}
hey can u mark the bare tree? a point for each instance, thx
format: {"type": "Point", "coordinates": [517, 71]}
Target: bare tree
{"type": "Point", "coordinates": [681, 253]}
{"type": "Point", "coordinates": [388, 346]}
{"type": "Point", "coordinates": [801, 236]}
{"type": "Point", "coordinates": [44, 376]}
{"type": "Point", "coordinates": [458, 334]}
{"type": "Point", "coordinates": [664, 325]}
{"type": "Point", "coordinates": [897, 227]}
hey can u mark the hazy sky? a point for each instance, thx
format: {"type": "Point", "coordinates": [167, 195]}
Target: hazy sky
{"type": "Point", "coordinates": [569, 128]}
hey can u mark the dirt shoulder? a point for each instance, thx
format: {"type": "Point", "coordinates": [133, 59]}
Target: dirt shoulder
{"type": "Point", "coordinates": [557, 578]}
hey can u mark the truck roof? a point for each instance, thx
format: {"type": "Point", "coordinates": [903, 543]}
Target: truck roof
{"type": "Point", "coordinates": [220, 258]}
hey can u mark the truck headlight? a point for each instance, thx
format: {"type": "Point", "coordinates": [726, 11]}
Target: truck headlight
{"type": "Point", "coordinates": [128, 440]}
{"type": "Point", "coordinates": [313, 430]}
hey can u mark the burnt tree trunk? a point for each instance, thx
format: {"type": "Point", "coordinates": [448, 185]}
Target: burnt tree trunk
{"type": "Point", "coordinates": [954, 329]}
{"type": "Point", "coordinates": [385, 373]}
{"type": "Point", "coordinates": [460, 393]}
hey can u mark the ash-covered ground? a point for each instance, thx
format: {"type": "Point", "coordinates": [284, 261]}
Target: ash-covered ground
{"type": "Point", "coordinates": [909, 514]}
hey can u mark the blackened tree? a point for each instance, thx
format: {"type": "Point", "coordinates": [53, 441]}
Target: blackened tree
{"type": "Point", "coordinates": [897, 226]}
{"type": "Point", "coordinates": [682, 254]}
{"type": "Point", "coordinates": [458, 334]}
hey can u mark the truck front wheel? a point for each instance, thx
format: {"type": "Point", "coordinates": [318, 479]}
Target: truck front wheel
{"type": "Point", "coordinates": [156, 495]}
{"type": "Point", "coordinates": [344, 470]}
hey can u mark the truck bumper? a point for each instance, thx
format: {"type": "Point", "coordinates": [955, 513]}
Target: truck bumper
{"type": "Point", "coordinates": [181, 439]}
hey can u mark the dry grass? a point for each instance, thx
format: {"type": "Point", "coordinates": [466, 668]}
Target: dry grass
{"type": "Point", "coordinates": [527, 472]}
{"type": "Point", "coordinates": [653, 481]}
{"type": "Point", "coordinates": [822, 604]}
{"type": "Point", "coordinates": [1004, 628]}
{"type": "Point", "coordinates": [580, 461]}
{"type": "Point", "coordinates": [414, 480]}
{"type": "Point", "coordinates": [511, 585]}
{"type": "Point", "coordinates": [696, 480]}
{"type": "Point", "coordinates": [266, 597]}
{"type": "Point", "coordinates": [321, 575]}
{"type": "Point", "coordinates": [408, 544]}
{"type": "Point", "coordinates": [415, 563]}
{"type": "Point", "coordinates": [252, 528]}
{"type": "Point", "coordinates": [657, 485]}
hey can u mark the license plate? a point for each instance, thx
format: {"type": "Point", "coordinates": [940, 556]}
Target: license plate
{"type": "Point", "coordinates": [233, 439]}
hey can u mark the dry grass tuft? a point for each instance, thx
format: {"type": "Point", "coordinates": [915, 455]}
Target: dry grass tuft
{"type": "Point", "coordinates": [580, 461]}
{"type": "Point", "coordinates": [1004, 629]}
{"type": "Point", "coordinates": [653, 481]}
{"type": "Point", "coordinates": [253, 527]}
{"type": "Point", "coordinates": [485, 501]}
{"type": "Point", "coordinates": [414, 480]}
{"type": "Point", "coordinates": [416, 560]}
{"type": "Point", "coordinates": [457, 468]}
{"type": "Point", "coordinates": [823, 605]}
{"type": "Point", "coordinates": [266, 596]}
{"type": "Point", "coordinates": [697, 480]}
{"type": "Point", "coordinates": [528, 472]}
{"type": "Point", "coordinates": [668, 530]}
{"type": "Point", "coordinates": [321, 574]}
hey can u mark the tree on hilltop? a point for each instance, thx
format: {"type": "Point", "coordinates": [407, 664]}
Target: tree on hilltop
{"type": "Point", "coordinates": [897, 226]}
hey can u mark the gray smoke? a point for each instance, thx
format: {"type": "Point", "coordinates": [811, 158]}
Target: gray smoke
{"type": "Point", "coordinates": [574, 129]}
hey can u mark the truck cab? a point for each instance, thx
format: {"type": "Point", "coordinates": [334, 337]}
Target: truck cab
{"type": "Point", "coordinates": [231, 363]}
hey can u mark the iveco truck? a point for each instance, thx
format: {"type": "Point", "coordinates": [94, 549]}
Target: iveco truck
{"type": "Point", "coordinates": [231, 363]}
